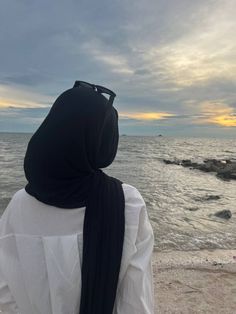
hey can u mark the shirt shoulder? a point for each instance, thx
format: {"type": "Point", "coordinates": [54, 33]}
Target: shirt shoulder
{"type": "Point", "coordinates": [14, 203]}
{"type": "Point", "coordinates": [132, 195]}
{"type": "Point", "coordinates": [134, 205]}
{"type": "Point", "coordinates": [15, 200]}
{"type": "Point", "coordinates": [11, 210]}
{"type": "Point", "coordinates": [136, 213]}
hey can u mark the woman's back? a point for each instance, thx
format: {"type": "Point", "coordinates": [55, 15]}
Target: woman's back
{"type": "Point", "coordinates": [41, 257]}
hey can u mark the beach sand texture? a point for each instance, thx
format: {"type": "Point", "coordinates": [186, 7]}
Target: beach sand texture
{"type": "Point", "coordinates": [195, 282]}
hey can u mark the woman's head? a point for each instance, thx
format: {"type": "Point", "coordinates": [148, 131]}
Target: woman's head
{"type": "Point", "coordinates": [88, 124]}
{"type": "Point", "coordinates": [78, 136]}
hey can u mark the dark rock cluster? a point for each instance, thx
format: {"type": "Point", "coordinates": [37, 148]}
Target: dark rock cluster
{"type": "Point", "coordinates": [226, 214]}
{"type": "Point", "coordinates": [225, 169]}
{"type": "Point", "coordinates": [207, 198]}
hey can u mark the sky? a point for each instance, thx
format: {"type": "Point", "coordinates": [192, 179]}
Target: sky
{"type": "Point", "coordinates": [172, 63]}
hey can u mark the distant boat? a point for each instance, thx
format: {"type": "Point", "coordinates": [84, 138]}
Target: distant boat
{"type": "Point", "coordinates": [160, 135]}
{"type": "Point", "coordinates": [123, 135]}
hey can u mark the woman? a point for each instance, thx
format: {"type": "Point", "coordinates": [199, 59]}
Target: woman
{"type": "Point", "coordinates": [76, 240]}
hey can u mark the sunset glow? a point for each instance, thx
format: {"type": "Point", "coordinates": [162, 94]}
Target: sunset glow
{"type": "Point", "coordinates": [170, 63]}
{"type": "Point", "coordinates": [146, 115]}
{"type": "Point", "coordinates": [217, 113]}
{"type": "Point", "coordinates": [224, 120]}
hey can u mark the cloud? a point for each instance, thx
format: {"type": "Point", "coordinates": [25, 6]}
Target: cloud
{"type": "Point", "coordinates": [204, 52]}
{"type": "Point", "coordinates": [116, 63]}
{"type": "Point", "coordinates": [28, 79]}
{"type": "Point", "coordinates": [218, 113]}
{"type": "Point", "coordinates": [170, 57]}
{"type": "Point", "coordinates": [18, 119]}
{"type": "Point", "coordinates": [14, 96]}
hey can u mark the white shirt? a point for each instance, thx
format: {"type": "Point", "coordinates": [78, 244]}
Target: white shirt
{"type": "Point", "coordinates": [40, 258]}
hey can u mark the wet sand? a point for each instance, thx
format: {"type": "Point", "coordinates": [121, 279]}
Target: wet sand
{"type": "Point", "coordinates": [195, 282]}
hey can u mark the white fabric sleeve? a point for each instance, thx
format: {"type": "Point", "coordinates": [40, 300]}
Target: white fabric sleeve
{"type": "Point", "coordinates": [136, 294]}
{"type": "Point", "coordinates": [5, 223]}
{"type": "Point", "coordinates": [7, 303]}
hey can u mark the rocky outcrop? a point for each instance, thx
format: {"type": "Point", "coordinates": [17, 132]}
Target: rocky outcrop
{"type": "Point", "coordinates": [207, 198]}
{"type": "Point", "coordinates": [225, 169]}
{"type": "Point", "coordinates": [226, 214]}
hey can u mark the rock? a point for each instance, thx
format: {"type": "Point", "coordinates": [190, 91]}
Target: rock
{"type": "Point", "coordinates": [224, 176]}
{"type": "Point", "coordinates": [171, 162]}
{"type": "Point", "coordinates": [225, 169]}
{"type": "Point", "coordinates": [225, 214]}
{"type": "Point", "coordinates": [204, 168]}
{"type": "Point", "coordinates": [233, 175]}
{"type": "Point", "coordinates": [194, 165]}
{"type": "Point", "coordinates": [212, 197]}
{"type": "Point", "coordinates": [186, 163]}
{"type": "Point", "coordinates": [207, 198]}
{"type": "Point", "coordinates": [186, 219]}
{"type": "Point", "coordinates": [168, 162]}
{"type": "Point", "coordinates": [192, 209]}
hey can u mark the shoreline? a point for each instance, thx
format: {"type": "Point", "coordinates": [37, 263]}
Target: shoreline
{"type": "Point", "coordinates": [188, 282]}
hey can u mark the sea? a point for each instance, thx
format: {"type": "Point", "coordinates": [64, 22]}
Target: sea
{"type": "Point", "coordinates": [177, 198]}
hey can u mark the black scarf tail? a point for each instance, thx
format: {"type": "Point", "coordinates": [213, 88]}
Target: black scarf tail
{"type": "Point", "coordinates": [104, 221]}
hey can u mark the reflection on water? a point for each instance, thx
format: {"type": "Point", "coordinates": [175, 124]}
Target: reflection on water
{"type": "Point", "coordinates": [173, 194]}
{"type": "Point", "coordinates": [180, 216]}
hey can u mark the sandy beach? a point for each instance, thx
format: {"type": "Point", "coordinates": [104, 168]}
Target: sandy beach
{"type": "Point", "coordinates": [195, 282]}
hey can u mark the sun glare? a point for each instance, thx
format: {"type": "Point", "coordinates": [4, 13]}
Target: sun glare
{"type": "Point", "coordinates": [218, 113]}
{"type": "Point", "coordinates": [224, 120]}
{"type": "Point", "coordinates": [146, 115]}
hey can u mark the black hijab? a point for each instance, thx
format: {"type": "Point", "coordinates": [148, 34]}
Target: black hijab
{"type": "Point", "coordinates": [62, 165]}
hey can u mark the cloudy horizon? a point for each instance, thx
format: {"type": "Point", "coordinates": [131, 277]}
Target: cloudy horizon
{"type": "Point", "coordinates": [171, 63]}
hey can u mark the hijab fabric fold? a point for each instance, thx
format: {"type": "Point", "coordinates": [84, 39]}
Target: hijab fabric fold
{"type": "Point", "coordinates": [63, 165]}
